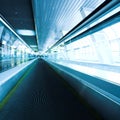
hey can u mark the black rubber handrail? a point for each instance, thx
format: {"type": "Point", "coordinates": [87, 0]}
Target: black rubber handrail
{"type": "Point", "coordinates": [109, 21]}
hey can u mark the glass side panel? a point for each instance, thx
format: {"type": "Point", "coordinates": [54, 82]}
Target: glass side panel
{"type": "Point", "coordinates": [12, 50]}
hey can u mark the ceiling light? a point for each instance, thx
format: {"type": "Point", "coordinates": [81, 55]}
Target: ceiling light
{"type": "Point", "coordinates": [4, 42]}
{"type": "Point", "coordinates": [26, 32]}
{"type": "Point", "coordinates": [33, 46]}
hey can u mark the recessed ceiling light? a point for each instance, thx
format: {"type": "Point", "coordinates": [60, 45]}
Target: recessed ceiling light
{"type": "Point", "coordinates": [26, 32]}
{"type": "Point", "coordinates": [33, 46]}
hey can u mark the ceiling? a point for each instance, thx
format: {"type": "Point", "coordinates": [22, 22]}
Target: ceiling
{"type": "Point", "coordinates": [51, 19]}
{"type": "Point", "coordinates": [54, 18]}
{"type": "Point", "coordinates": [19, 15]}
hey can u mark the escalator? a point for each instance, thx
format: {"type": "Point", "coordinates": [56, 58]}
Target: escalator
{"type": "Point", "coordinates": [43, 95]}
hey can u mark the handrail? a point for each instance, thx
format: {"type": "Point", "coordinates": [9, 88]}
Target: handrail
{"type": "Point", "coordinates": [109, 21]}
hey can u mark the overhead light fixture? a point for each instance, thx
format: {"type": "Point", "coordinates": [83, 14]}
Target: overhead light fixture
{"type": "Point", "coordinates": [24, 32]}
{"type": "Point", "coordinates": [33, 46]}
{"type": "Point", "coordinates": [4, 42]}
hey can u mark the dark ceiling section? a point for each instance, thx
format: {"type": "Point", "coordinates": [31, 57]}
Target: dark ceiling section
{"type": "Point", "coordinates": [19, 15]}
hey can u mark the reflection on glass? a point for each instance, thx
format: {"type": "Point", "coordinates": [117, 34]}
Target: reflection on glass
{"type": "Point", "coordinates": [12, 50]}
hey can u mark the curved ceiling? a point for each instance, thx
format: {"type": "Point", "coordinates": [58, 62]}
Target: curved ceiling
{"type": "Point", "coordinates": [54, 18]}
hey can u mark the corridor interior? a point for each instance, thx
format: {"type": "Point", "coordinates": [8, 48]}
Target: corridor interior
{"type": "Point", "coordinates": [44, 95]}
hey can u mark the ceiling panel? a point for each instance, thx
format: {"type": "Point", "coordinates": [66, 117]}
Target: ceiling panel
{"type": "Point", "coordinates": [19, 15]}
{"type": "Point", "coordinates": [54, 18]}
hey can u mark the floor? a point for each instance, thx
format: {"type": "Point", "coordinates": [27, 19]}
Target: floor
{"type": "Point", "coordinates": [42, 95]}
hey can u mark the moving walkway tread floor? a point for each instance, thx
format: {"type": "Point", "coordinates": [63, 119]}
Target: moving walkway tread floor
{"type": "Point", "coordinates": [43, 96]}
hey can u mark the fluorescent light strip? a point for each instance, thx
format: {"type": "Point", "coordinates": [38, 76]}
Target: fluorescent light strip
{"type": "Point", "coordinates": [26, 32]}
{"type": "Point", "coordinates": [33, 46]}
